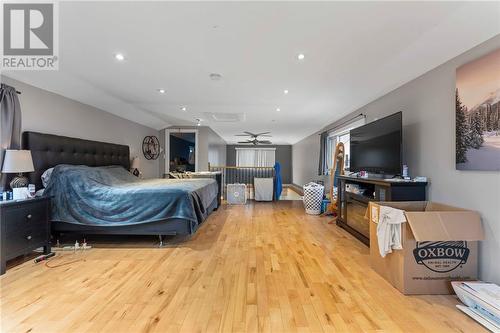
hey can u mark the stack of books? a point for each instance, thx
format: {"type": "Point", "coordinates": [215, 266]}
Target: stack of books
{"type": "Point", "coordinates": [481, 302]}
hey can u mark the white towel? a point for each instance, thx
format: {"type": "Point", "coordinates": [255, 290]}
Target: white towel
{"type": "Point", "coordinates": [389, 229]}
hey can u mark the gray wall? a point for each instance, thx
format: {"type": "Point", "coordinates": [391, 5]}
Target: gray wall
{"type": "Point", "coordinates": [46, 112]}
{"type": "Point", "coordinates": [428, 105]}
{"type": "Point", "coordinates": [216, 148]}
{"type": "Point", "coordinates": [305, 160]}
{"type": "Point", "coordinates": [211, 147]}
{"type": "Point", "coordinates": [283, 155]}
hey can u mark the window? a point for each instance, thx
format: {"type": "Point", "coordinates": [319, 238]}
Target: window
{"type": "Point", "coordinates": [340, 135]}
{"type": "Point", "coordinates": [255, 157]}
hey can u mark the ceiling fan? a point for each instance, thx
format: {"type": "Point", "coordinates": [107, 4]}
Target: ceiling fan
{"type": "Point", "coordinates": [254, 138]}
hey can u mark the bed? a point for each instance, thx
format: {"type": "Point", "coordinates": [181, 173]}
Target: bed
{"type": "Point", "coordinates": [93, 192]}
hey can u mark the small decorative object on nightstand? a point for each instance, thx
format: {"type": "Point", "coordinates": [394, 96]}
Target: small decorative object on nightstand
{"type": "Point", "coordinates": [24, 227]}
{"type": "Point", "coordinates": [18, 161]}
{"type": "Point", "coordinates": [134, 168]}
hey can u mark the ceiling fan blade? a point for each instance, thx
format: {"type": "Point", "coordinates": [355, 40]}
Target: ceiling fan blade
{"type": "Point", "coordinates": [241, 135]}
{"type": "Point", "coordinates": [250, 133]}
{"type": "Point", "coordinates": [262, 133]}
{"type": "Point", "coordinates": [244, 141]}
{"type": "Point", "coordinates": [265, 142]}
{"type": "Point", "coordinates": [266, 135]}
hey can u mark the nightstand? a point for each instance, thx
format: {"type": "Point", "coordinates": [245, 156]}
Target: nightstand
{"type": "Point", "coordinates": [24, 227]}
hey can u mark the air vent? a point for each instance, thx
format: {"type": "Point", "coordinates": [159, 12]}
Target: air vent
{"type": "Point", "coordinates": [215, 77]}
{"type": "Point", "coordinates": [225, 117]}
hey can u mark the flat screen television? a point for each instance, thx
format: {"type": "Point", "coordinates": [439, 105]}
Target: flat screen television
{"type": "Point", "coordinates": [377, 147]}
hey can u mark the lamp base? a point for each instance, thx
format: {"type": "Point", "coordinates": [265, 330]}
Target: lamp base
{"type": "Point", "coordinates": [19, 181]}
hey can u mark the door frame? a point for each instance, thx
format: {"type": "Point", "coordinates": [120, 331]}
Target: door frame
{"type": "Point", "coordinates": [169, 131]}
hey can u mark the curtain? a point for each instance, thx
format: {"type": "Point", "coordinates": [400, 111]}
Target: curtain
{"type": "Point", "coordinates": [246, 157]}
{"type": "Point", "coordinates": [322, 168]}
{"type": "Point", "coordinates": [255, 157]}
{"type": "Point", "coordinates": [267, 158]}
{"type": "Point", "coordinates": [331, 143]}
{"type": "Point", "coordinates": [10, 124]}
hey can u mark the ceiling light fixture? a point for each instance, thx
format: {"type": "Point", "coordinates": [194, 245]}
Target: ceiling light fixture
{"type": "Point", "coordinates": [198, 122]}
{"type": "Point", "coordinates": [301, 56]}
{"type": "Point", "coordinates": [183, 108]}
{"type": "Point", "coordinates": [278, 109]}
{"type": "Point", "coordinates": [285, 91]}
{"type": "Point", "coordinates": [119, 57]}
{"type": "Point", "coordinates": [161, 91]}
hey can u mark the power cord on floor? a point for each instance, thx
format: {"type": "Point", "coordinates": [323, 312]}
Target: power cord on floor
{"type": "Point", "coordinates": [77, 248]}
{"type": "Point", "coordinates": [62, 264]}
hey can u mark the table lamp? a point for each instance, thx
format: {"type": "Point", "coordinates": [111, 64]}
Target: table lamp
{"type": "Point", "coordinates": [18, 161]}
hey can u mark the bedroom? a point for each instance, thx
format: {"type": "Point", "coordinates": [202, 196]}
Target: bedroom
{"type": "Point", "coordinates": [165, 249]}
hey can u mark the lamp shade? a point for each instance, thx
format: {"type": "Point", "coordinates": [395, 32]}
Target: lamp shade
{"type": "Point", "coordinates": [16, 161]}
{"type": "Point", "coordinates": [135, 163]}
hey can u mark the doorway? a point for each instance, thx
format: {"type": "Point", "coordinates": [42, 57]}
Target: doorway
{"type": "Point", "coordinates": [182, 152]}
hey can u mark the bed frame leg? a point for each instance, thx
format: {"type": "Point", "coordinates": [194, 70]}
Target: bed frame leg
{"type": "Point", "coordinates": [161, 240]}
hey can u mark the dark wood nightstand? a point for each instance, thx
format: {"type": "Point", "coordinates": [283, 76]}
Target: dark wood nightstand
{"type": "Point", "coordinates": [24, 227]}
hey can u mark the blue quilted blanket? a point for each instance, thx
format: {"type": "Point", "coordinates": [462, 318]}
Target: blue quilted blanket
{"type": "Point", "coordinates": [111, 196]}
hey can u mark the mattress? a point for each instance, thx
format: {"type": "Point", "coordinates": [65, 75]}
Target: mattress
{"type": "Point", "coordinates": [112, 196]}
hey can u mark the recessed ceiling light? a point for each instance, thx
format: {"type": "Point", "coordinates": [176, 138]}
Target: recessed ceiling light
{"type": "Point", "coordinates": [183, 108]}
{"type": "Point", "coordinates": [278, 109]}
{"type": "Point", "coordinates": [285, 91]}
{"type": "Point", "coordinates": [119, 57]}
{"type": "Point", "coordinates": [161, 91]}
{"type": "Point", "coordinates": [301, 56]}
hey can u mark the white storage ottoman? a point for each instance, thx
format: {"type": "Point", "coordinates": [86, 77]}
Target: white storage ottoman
{"type": "Point", "coordinates": [264, 188]}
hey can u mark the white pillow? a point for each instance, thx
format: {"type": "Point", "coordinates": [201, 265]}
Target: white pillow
{"type": "Point", "coordinates": [46, 176]}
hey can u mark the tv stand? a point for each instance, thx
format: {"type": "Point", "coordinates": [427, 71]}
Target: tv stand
{"type": "Point", "coordinates": [354, 194]}
{"type": "Point", "coordinates": [374, 176]}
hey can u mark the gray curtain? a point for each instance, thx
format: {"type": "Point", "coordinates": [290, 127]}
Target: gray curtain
{"type": "Point", "coordinates": [322, 169]}
{"type": "Point", "coordinates": [10, 124]}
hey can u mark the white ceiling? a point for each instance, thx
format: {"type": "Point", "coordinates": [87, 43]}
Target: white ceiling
{"type": "Point", "coordinates": [355, 52]}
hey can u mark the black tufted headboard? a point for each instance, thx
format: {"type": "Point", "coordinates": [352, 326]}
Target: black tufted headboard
{"type": "Point", "coordinates": [49, 150]}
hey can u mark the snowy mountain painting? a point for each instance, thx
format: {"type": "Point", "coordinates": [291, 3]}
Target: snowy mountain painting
{"type": "Point", "coordinates": [477, 145]}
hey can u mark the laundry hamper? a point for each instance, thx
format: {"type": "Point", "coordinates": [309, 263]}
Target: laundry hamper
{"type": "Point", "coordinates": [313, 197]}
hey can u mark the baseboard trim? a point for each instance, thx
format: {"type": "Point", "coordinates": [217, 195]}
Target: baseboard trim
{"type": "Point", "coordinates": [296, 188]}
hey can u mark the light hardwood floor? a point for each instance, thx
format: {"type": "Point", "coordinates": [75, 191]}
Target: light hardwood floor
{"type": "Point", "coordinates": [259, 267]}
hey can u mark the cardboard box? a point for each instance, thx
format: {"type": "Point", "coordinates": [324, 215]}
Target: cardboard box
{"type": "Point", "coordinates": [439, 246]}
